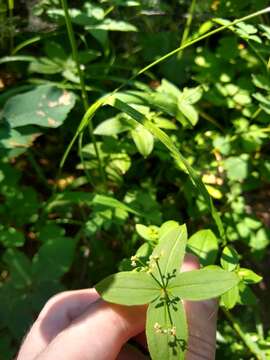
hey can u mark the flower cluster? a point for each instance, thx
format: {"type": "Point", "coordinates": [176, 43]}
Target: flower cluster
{"type": "Point", "coordinates": [158, 329]}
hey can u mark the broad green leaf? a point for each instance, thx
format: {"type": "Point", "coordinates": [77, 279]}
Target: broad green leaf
{"type": "Point", "coordinates": [56, 256]}
{"type": "Point", "coordinates": [128, 288]}
{"type": "Point", "coordinates": [144, 250]}
{"type": "Point", "coordinates": [167, 226]}
{"type": "Point", "coordinates": [50, 231]}
{"type": "Point", "coordinates": [165, 345]}
{"type": "Point", "coordinates": [14, 139]}
{"type": "Point", "coordinates": [170, 251]}
{"type": "Point", "coordinates": [150, 233]}
{"type": "Point", "coordinates": [19, 267]}
{"type": "Point", "coordinates": [143, 140]}
{"type": "Point", "coordinates": [229, 258]}
{"type": "Point", "coordinates": [188, 111]}
{"type": "Point", "coordinates": [236, 167]}
{"type": "Point", "coordinates": [249, 276]}
{"type": "Point", "coordinates": [204, 244]}
{"type": "Point", "coordinates": [192, 95]}
{"type": "Point", "coordinates": [202, 284]}
{"type": "Point", "coordinates": [246, 295]}
{"type": "Point", "coordinates": [230, 298]}
{"type": "Point", "coordinates": [113, 126]}
{"type": "Point", "coordinates": [45, 106]}
{"type": "Point", "coordinates": [164, 123]}
{"type": "Point", "coordinates": [11, 237]}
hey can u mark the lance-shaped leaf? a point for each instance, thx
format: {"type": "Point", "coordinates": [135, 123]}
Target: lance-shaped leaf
{"type": "Point", "coordinates": [171, 251]}
{"type": "Point", "coordinates": [203, 284]}
{"type": "Point", "coordinates": [166, 330]}
{"type": "Point", "coordinates": [128, 288]}
{"type": "Point", "coordinates": [176, 154]}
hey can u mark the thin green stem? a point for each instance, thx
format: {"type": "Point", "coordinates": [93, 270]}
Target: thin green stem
{"type": "Point", "coordinates": [211, 120]}
{"type": "Point", "coordinates": [256, 113]}
{"type": "Point", "coordinates": [37, 168]}
{"type": "Point", "coordinates": [249, 343]}
{"type": "Point", "coordinates": [80, 145]}
{"type": "Point", "coordinates": [94, 107]}
{"type": "Point", "coordinates": [75, 56]}
{"type": "Point", "coordinates": [161, 276]}
{"type": "Point", "coordinates": [187, 26]}
{"type": "Point", "coordinates": [194, 41]}
{"type": "Point", "coordinates": [259, 56]}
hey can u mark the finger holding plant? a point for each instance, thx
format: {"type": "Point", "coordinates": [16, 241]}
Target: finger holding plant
{"type": "Point", "coordinates": [159, 283]}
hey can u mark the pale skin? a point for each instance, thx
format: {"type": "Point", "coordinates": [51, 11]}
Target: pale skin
{"type": "Point", "coordinates": [78, 325]}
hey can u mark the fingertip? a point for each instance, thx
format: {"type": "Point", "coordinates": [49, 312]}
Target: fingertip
{"type": "Point", "coordinates": [190, 263]}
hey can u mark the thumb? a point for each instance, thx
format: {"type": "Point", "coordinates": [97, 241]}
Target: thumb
{"type": "Point", "coordinates": [99, 333]}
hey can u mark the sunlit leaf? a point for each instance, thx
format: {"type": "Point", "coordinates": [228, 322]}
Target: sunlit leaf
{"type": "Point", "coordinates": [204, 244]}
{"type": "Point", "coordinates": [45, 106]}
{"type": "Point", "coordinates": [172, 344]}
{"type": "Point", "coordinates": [170, 251]}
{"type": "Point", "coordinates": [203, 284]}
{"type": "Point", "coordinates": [128, 288]}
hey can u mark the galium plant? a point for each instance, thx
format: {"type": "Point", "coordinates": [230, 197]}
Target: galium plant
{"type": "Point", "coordinates": [159, 283]}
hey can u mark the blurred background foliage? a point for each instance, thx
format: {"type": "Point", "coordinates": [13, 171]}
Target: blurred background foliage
{"type": "Point", "coordinates": [67, 230]}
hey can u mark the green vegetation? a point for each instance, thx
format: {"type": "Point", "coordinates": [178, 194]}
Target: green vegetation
{"type": "Point", "coordinates": [122, 120]}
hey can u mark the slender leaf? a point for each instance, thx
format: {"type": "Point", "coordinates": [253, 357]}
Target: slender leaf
{"type": "Point", "coordinates": [180, 159]}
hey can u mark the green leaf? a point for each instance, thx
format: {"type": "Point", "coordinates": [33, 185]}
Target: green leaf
{"type": "Point", "coordinates": [249, 276]}
{"type": "Point", "coordinates": [230, 298]}
{"type": "Point", "coordinates": [128, 288]}
{"type": "Point", "coordinates": [19, 266]}
{"type": "Point", "coordinates": [143, 140]}
{"type": "Point", "coordinates": [171, 250]}
{"type": "Point", "coordinates": [150, 233]}
{"type": "Point", "coordinates": [56, 256]}
{"type": "Point", "coordinates": [167, 226]}
{"type": "Point", "coordinates": [204, 244]}
{"type": "Point", "coordinates": [164, 345]}
{"type": "Point", "coordinates": [202, 284]}
{"type": "Point", "coordinates": [11, 237]}
{"type": "Point", "coordinates": [113, 203]}
{"type": "Point", "coordinates": [113, 126]}
{"type": "Point", "coordinates": [113, 25]}
{"type": "Point", "coordinates": [164, 138]}
{"type": "Point", "coordinates": [236, 167]}
{"type": "Point", "coordinates": [229, 258]}
{"type": "Point", "coordinates": [188, 111]}
{"type": "Point", "coordinates": [45, 106]}
{"type": "Point", "coordinates": [14, 139]}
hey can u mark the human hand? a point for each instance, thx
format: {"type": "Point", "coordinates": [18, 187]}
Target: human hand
{"type": "Point", "coordinates": [79, 325]}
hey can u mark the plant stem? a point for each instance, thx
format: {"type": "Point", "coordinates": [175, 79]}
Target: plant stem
{"type": "Point", "coordinates": [75, 56]}
{"type": "Point", "coordinates": [187, 26]}
{"type": "Point", "coordinates": [10, 16]}
{"type": "Point", "coordinates": [192, 42]}
{"type": "Point", "coordinates": [80, 142]}
{"type": "Point", "coordinates": [209, 118]}
{"type": "Point", "coordinates": [37, 168]}
{"type": "Point", "coordinates": [161, 276]}
{"type": "Point", "coordinates": [253, 348]}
